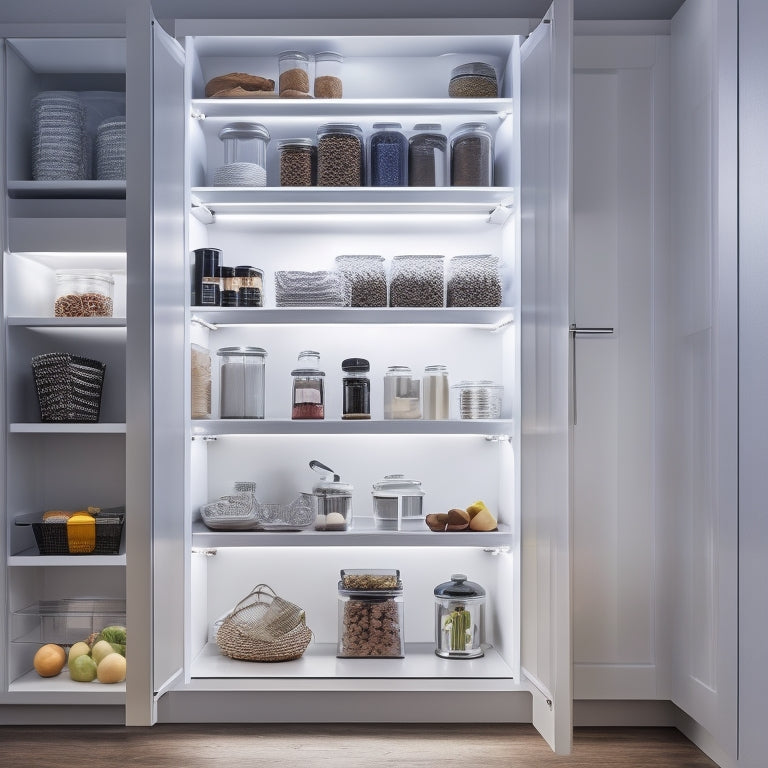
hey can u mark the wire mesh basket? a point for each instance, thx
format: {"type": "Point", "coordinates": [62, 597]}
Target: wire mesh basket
{"type": "Point", "coordinates": [68, 387]}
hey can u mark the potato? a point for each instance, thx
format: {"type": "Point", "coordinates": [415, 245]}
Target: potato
{"type": "Point", "coordinates": [458, 520]}
{"type": "Point", "coordinates": [49, 660]}
{"type": "Point", "coordinates": [111, 669]}
{"type": "Point", "coordinates": [436, 522]}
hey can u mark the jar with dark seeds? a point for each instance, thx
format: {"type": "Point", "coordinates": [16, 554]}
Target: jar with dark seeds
{"type": "Point", "coordinates": [473, 281]}
{"type": "Point", "coordinates": [475, 80]}
{"type": "Point", "coordinates": [416, 281]}
{"type": "Point", "coordinates": [340, 155]}
{"type": "Point", "coordinates": [427, 157]}
{"type": "Point", "coordinates": [298, 163]}
{"type": "Point", "coordinates": [365, 278]}
{"type": "Point", "coordinates": [472, 156]}
{"type": "Point", "coordinates": [388, 153]}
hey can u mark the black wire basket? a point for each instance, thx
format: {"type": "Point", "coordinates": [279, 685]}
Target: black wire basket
{"type": "Point", "coordinates": [68, 387]}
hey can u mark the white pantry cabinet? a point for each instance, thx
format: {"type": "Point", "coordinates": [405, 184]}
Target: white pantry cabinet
{"type": "Point", "coordinates": [398, 71]}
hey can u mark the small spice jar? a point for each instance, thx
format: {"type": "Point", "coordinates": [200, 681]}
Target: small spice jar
{"type": "Point", "coordinates": [328, 66]}
{"type": "Point", "coordinates": [308, 400]}
{"type": "Point", "coordinates": [241, 382]}
{"type": "Point", "coordinates": [370, 615]}
{"type": "Point", "coordinates": [340, 155]}
{"type": "Point", "coordinates": [472, 156]}
{"type": "Point", "coordinates": [83, 293]}
{"type": "Point", "coordinates": [245, 156]}
{"type": "Point", "coordinates": [294, 74]}
{"type": "Point", "coordinates": [428, 156]}
{"type": "Point", "coordinates": [475, 80]}
{"type": "Point", "coordinates": [402, 393]}
{"type": "Point", "coordinates": [388, 156]}
{"type": "Point", "coordinates": [207, 286]}
{"type": "Point", "coordinates": [436, 391]}
{"type": "Point", "coordinates": [356, 389]}
{"type": "Point", "coordinates": [298, 163]}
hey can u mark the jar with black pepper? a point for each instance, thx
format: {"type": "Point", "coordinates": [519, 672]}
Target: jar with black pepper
{"type": "Point", "coordinates": [356, 389]}
{"type": "Point", "coordinates": [298, 163]}
{"type": "Point", "coordinates": [388, 156]}
{"type": "Point", "coordinates": [428, 156]}
{"type": "Point", "coordinates": [472, 156]}
{"type": "Point", "coordinates": [308, 401]}
{"type": "Point", "coordinates": [340, 155]}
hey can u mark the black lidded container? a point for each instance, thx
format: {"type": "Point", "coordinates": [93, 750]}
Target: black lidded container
{"type": "Point", "coordinates": [356, 389]}
{"type": "Point", "coordinates": [207, 289]}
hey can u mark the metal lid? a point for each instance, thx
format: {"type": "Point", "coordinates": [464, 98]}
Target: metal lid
{"type": "Point", "coordinates": [427, 127]}
{"type": "Point", "coordinates": [355, 365]}
{"type": "Point", "coordinates": [243, 271]}
{"type": "Point", "coordinates": [329, 56]}
{"type": "Point", "coordinates": [244, 131]}
{"type": "Point", "coordinates": [398, 370]}
{"type": "Point", "coordinates": [387, 126]}
{"type": "Point", "coordinates": [442, 369]}
{"type": "Point", "coordinates": [399, 483]}
{"type": "Point", "coordinates": [242, 351]}
{"type": "Point", "coordinates": [474, 68]}
{"type": "Point", "coordinates": [458, 586]}
{"type": "Point", "coordinates": [296, 144]}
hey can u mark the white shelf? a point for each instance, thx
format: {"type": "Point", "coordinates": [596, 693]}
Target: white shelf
{"type": "Point", "coordinates": [62, 690]}
{"type": "Point", "coordinates": [363, 534]}
{"type": "Point", "coordinates": [98, 428]}
{"type": "Point", "coordinates": [75, 190]}
{"type": "Point", "coordinates": [347, 109]}
{"type": "Point", "coordinates": [214, 427]}
{"type": "Point", "coordinates": [294, 200]}
{"type": "Point", "coordinates": [491, 317]}
{"type": "Point", "coordinates": [319, 663]}
{"type": "Point", "coordinates": [31, 557]}
{"type": "Point", "coordinates": [67, 322]}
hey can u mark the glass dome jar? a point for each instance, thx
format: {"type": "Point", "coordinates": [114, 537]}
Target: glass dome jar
{"type": "Point", "coordinates": [83, 293]}
{"type": "Point", "coordinates": [245, 156]}
{"type": "Point", "coordinates": [459, 618]}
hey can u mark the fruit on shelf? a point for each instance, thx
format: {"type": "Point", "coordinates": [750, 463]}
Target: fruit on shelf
{"type": "Point", "coordinates": [481, 518]}
{"type": "Point", "coordinates": [82, 669]}
{"type": "Point", "coordinates": [111, 669]}
{"type": "Point", "coordinates": [116, 636]}
{"type": "Point", "coordinates": [476, 517]}
{"type": "Point", "coordinates": [101, 649]}
{"type": "Point", "coordinates": [49, 660]}
{"type": "Point", "coordinates": [458, 520]}
{"type": "Point", "coordinates": [78, 649]}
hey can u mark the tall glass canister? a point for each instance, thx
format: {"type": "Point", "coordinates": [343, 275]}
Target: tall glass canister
{"type": "Point", "coordinates": [241, 382]}
{"type": "Point", "coordinates": [308, 391]}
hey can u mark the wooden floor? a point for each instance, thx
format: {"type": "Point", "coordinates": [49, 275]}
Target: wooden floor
{"type": "Point", "coordinates": [384, 746]}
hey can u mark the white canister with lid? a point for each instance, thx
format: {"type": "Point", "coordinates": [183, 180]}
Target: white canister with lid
{"type": "Point", "coordinates": [398, 503]}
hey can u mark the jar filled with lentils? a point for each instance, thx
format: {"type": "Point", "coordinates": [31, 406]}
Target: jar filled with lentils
{"type": "Point", "coordinates": [83, 293]}
{"type": "Point", "coordinates": [328, 65]}
{"type": "Point", "coordinates": [472, 156]}
{"type": "Point", "coordinates": [298, 163]}
{"type": "Point", "coordinates": [294, 74]}
{"type": "Point", "coordinates": [340, 155]}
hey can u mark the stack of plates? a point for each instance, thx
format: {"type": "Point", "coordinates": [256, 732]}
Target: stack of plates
{"type": "Point", "coordinates": [311, 289]}
{"type": "Point", "coordinates": [240, 175]}
{"type": "Point", "coordinates": [110, 148]}
{"type": "Point", "coordinates": [58, 137]}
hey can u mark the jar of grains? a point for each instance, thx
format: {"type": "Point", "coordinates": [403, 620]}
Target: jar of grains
{"type": "Point", "coordinates": [472, 156]}
{"type": "Point", "coordinates": [83, 293]}
{"type": "Point", "coordinates": [473, 281]}
{"type": "Point", "coordinates": [428, 157]}
{"type": "Point", "coordinates": [365, 279]}
{"type": "Point", "coordinates": [328, 75]}
{"type": "Point", "coordinates": [416, 281]}
{"type": "Point", "coordinates": [475, 80]}
{"type": "Point", "coordinates": [388, 152]}
{"type": "Point", "coordinates": [298, 163]}
{"type": "Point", "coordinates": [294, 74]}
{"type": "Point", "coordinates": [340, 155]}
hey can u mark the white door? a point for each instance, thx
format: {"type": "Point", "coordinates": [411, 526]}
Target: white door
{"type": "Point", "coordinates": [546, 74]}
{"type": "Point", "coordinates": [155, 362]}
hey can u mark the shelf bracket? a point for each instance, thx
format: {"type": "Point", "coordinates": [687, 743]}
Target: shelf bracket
{"type": "Point", "coordinates": [204, 323]}
{"type": "Point", "coordinates": [502, 211]}
{"type": "Point", "coordinates": [202, 212]}
{"type": "Point", "coordinates": [497, 438]}
{"type": "Point", "coordinates": [496, 551]}
{"type": "Point", "coordinates": [209, 552]}
{"type": "Point", "coordinates": [205, 438]}
{"type": "Point", "coordinates": [196, 114]}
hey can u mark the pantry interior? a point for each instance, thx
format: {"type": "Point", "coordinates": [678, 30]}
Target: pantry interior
{"type": "Point", "coordinates": [178, 576]}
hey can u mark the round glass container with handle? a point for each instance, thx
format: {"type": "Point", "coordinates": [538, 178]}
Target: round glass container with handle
{"type": "Point", "coordinates": [459, 618]}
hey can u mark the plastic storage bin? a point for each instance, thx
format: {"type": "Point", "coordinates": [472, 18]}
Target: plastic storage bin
{"type": "Point", "coordinates": [417, 281]}
{"type": "Point", "coordinates": [473, 281]}
{"type": "Point", "coordinates": [428, 156]}
{"type": "Point", "coordinates": [365, 279]}
{"type": "Point", "coordinates": [57, 537]}
{"type": "Point", "coordinates": [298, 163]}
{"type": "Point", "coordinates": [388, 156]}
{"type": "Point", "coordinates": [475, 80]}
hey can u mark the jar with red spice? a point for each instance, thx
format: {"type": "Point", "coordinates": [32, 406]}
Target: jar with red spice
{"type": "Point", "coordinates": [308, 400]}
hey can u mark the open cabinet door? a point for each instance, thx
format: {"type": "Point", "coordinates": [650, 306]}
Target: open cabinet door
{"type": "Point", "coordinates": [155, 441]}
{"type": "Point", "coordinates": [546, 74]}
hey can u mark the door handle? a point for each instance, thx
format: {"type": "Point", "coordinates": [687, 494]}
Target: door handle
{"type": "Point", "coordinates": [574, 330]}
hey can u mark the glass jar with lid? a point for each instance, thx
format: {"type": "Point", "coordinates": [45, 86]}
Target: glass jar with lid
{"type": "Point", "coordinates": [356, 389]}
{"type": "Point", "coordinates": [472, 156]}
{"type": "Point", "coordinates": [298, 163]}
{"type": "Point", "coordinates": [331, 499]}
{"type": "Point", "coordinates": [308, 400]}
{"type": "Point", "coordinates": [388, 156]}
{"type": "Point", "coordinates": [248, 284]}
{"type": "Point", "coordinates": [83, 293]}
{"type": "Point", "coordinates": [245, 156]}
{"type": "Point", "coordinates": [402, 393]}
{"type": "Point", "coordinates": [328, 66]}
{"type": "Point", "coordinates": [398, 503]}
{"type": "Point", "coordinates": [241, 382]}
{"type": "Point", "coordinates": [340, 155]}
{"type": "Point", "coordinates": [436, 393]}
{"type": "Point", "coordinates": [459, 618]}
{"type": "Point", "coordinates": [475, 80]}
{"type": "Point", "coordinates": [428, 156]}
{"type": "Point", "coordinates": [293, 74]}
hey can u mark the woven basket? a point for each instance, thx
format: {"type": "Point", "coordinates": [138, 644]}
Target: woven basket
{"type": "Point", "coordinates": [68, 387]}
{"type": "Point", "coordinates": [264, 627]}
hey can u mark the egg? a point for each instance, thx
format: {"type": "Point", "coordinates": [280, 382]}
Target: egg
{"type": "Point", "coordinates": [335, 521]}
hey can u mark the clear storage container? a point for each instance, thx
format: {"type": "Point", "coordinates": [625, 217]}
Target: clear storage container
{"type": "Point", "coordinates": [245, 156]}
{"type": "Point", "coordinates": [331, 500]}
{"type": "Point", "coordinates": [365, 278]}
{"type": "Point", "coordinates": [472, 156]}
{"type": "Point", "coordinates": [328, 81]}
{"type": "Point", "coordinates": [241, 382]}
{"type": "Point", "coordinates": [340, 155]}
{"type": "Point", "coordinates": [294, 74]}
{"type": "Point", "coordinates": [436, 393]}
{"type": "Point", "coordinates": [402, 393]}
{"type": "Point", "coordinates": [477, 400]}
{"type": "Point", "coordinates": [398, 504]}
{"type": "Point", "coordinates": [388, 156]}
{"type": "Point", "coordinates": [298, 163]}
{"type": "Point", "coordinates": [308, 398]}
{"type": "Point", "coordinates": [473, 281]}
{"type": "Point", "coordinates": [370, 615]}
{"type": "Point", "coordinates": [356, 389]}
{"type": "Point", "coordinates": [83, 293]}
{"type": "Point", "coordinates": [475, 80]}
{"type": "Point", "coordinates": [200, 382]}
{"type": "Point", "coordinates": [428, 156]}
{"type": "Point", "coordinates": [459, 618]}
{"type": "Point", "coordinates": [417, 281]}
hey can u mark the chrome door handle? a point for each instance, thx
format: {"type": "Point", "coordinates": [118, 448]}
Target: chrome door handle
{"type": "Point", "coordinates": [574, 329]}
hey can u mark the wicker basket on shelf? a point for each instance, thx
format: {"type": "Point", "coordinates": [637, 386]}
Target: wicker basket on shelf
{"type": "Point", "coordinates": [68, 387]}
{"type": "Point", "coordinates": [264, 627]}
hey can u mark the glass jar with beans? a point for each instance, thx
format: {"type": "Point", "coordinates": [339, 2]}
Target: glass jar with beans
{"type": "Point", "coordinates": [428, 156]}
{"type": "Point", "coordinates": [83, 293]}
{"type": "Point", "coordinates": [472, 156]}
{"type": "Point", "coordinates": [298, 163]}
{"type": "Point", "coordinates": [340, 155]}
{"type": "Point", "coordinates": [388, 156]}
